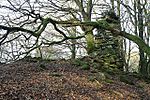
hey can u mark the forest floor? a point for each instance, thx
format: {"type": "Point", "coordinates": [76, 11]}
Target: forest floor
{"type": "Point", "coordinates": [61, 80]}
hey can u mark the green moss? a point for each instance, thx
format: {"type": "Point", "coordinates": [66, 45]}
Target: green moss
{"type": "Point", "coordinates": [127, 79]}
{"type": "Point", "coordinates": [85, 67]}
{"type": "Point", "coordinates": [90, 42]}
{"type": "Point", "coordinates": [139, 42]}
{"type": "Point", "coordinates": [79, 62]}
{"type": "Point", "coordinates": [97, 65]}
{"type": "Point", "coordinates": [109, 81]}
{"type": "Point", "coordinates": [82, 64]}
{"type": "Point", "coordinates": [103, 23]}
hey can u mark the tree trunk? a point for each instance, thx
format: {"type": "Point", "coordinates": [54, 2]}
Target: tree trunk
{"type": "Point", "coordinates": [141, 35]}
{"type": "Point", "coordinates": [120, 39]}
{"type": "Point", "coordinates": [86, 13]}
{"type": "Point", "coordinates": [90, 42]}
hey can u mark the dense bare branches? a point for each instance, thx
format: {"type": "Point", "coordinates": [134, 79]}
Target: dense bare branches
{"type": "Point", "coordinates": [36, 23]}
{"type": "Point", "coordinates": [32, 19]}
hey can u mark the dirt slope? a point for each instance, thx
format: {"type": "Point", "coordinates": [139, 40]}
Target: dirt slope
{"type": "Point", "coordinates": [60, 80]}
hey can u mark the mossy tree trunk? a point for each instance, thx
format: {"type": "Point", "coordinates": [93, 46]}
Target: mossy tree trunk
{"type": "Point", "coordinates": [121, 39]}
{"type": "Point", "coordinates": [86, 14]}
{"type": "Point", "coordinates": [73, 45]}
{"type": "Point", "coordinates": [90, 42]}
{"type": "Point", "coordinates": [141, 35]}
{"type": "Point", "coordinates": [144, 47]}
{"type": "Point", "coordinates": [106, 26]}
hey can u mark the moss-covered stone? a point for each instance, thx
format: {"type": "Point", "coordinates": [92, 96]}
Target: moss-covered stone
{"type": "Point", "coordinates": [107, 49]}
{"type": "Point", "coordinates": [128, 79]}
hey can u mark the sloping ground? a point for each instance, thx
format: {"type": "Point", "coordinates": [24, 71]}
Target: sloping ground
{"type": "Point", "coordinates": [59, 80]}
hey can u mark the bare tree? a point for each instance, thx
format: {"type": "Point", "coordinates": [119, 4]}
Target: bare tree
{"type": "Point", "coordinates": [42, 22]}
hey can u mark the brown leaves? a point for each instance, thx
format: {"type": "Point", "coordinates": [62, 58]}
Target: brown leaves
{"type": "Point", "coordinates": [60, 81]}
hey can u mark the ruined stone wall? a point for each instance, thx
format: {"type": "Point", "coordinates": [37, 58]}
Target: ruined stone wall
{"type": "Point", "coordinates": [107, 49]}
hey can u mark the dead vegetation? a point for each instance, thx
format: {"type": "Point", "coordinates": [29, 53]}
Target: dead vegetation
{"type": "Point", "coordinates": [62, 80]}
